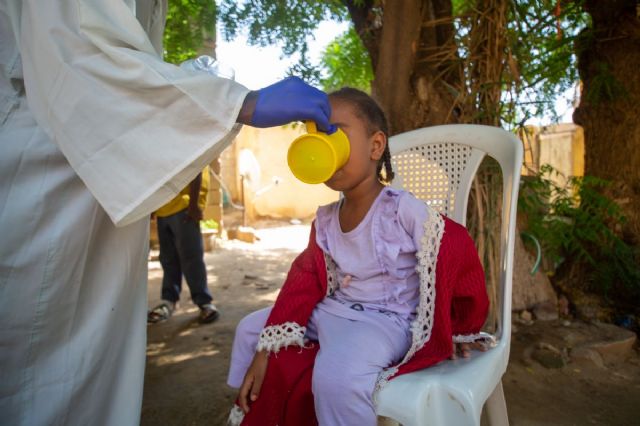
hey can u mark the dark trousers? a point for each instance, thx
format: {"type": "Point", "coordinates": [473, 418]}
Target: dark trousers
{"type": "Point", "coordinates": [182, 253]}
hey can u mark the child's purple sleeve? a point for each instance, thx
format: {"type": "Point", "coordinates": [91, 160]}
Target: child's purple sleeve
{"type": "Point", "coordinates": [413, 214]}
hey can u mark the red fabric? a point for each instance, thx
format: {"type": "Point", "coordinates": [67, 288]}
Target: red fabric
{"type": "Point", "coordinates": [285, 397]}
{"type": "Point", "coordinates": [461, 308]}
{"type": "Point", "coordinates": [461, 297]}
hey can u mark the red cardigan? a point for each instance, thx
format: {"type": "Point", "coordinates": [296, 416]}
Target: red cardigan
{"type": "Point", "coordinates": [453, 307]}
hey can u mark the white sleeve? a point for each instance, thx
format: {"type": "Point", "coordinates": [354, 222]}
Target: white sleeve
{"type": "Point", "coordinates": [134, 128]}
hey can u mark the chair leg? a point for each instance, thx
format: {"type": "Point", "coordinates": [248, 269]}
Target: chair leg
{"type": "Point", "coordinates": [497, 407]}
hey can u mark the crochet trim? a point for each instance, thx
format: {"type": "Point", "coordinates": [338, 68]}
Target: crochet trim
{"type": "Point", "coordinates": [275, 337]}
{"type": "Point", "coordinates": [486, 338]}
{"type": "Point", "coordinates": [427, 256]}
{"type": "Point", "coordinates": [235, 416]}
{"type": "Point", "coordinates": [382, 380]}
{"type": "Point", "coordinates": [422, 326]}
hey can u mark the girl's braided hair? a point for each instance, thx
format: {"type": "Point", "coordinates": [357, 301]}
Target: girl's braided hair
{"type": "Point", "coordinates": [369, 110]}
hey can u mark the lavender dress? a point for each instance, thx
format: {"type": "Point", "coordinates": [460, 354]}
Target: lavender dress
{"type": "Point", "coordinates": [363, 327]}
{"type": "Point", "coordinates": [375, 262]}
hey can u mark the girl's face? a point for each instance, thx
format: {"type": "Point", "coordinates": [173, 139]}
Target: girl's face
{"type": "Point", "coordinates": [365, 149]}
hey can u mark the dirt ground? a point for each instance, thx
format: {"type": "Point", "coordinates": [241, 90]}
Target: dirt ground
{"type": "Point", "coordinates": [185, 380]}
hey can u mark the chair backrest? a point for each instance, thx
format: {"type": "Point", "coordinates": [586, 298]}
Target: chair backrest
{"type": "Point", "coordinates": [437, 164]}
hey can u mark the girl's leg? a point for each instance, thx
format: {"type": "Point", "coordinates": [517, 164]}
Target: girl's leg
{"type": "Point", "coordinates": [244, 345]}
{"type": "Point", "coordinates": [352, 354]}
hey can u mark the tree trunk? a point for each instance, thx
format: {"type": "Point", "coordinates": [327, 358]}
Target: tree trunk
{"type": "Point", "coordinates": [406, 40]}
{"type": "Point", "coordinates": [609, 64]}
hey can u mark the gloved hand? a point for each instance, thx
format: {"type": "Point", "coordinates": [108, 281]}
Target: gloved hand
{"type": "Point", "coordinates": [292, 100]}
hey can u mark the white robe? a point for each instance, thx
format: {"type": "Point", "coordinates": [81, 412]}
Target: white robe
{"type": "Point", "coordinates": [104, 134]}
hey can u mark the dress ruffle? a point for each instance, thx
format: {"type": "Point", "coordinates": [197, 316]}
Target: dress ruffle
{"type": "Point", "coordinates": [390, 240]}
{"type": "Point", "coordinates": [393, 240]}
{"type": "Point", "coordinates": [388, 232]}
{"type": "Point", "coordinates": [323, 218]}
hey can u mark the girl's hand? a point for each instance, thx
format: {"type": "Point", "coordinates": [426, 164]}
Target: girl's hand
{"type": "Point", "coordinates": [250, 389]}
{"type": "Point", "coordinates": [464, 349]}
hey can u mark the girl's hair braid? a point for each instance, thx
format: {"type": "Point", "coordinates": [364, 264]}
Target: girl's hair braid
{"type": "Point", "coordinates": [369, 110]}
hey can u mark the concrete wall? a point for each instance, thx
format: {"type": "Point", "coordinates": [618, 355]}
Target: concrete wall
{"type": "Point", "coordinates": [560, 145]}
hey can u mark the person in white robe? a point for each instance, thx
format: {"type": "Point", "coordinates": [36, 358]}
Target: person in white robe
{"type": "Point", "coordinates": [96, 132]}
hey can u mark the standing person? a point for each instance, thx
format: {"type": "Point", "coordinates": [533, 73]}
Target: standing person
{"type": "Point", "coordinates": [182, 251]}
{"type": "Point", "coordinates": [97, 132]}
{"type": "Point", "coordinates": [382, 270]}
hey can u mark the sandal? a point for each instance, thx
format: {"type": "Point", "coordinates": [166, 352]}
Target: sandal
{"type": "Point", "coordinates": [208, 313]}
{"type": "Point", "coordinates": [160, 313]}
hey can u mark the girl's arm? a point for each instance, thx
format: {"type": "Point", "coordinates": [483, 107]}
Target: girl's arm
{"type": "Point", "coordinates": [304, 287]}
{"type": "Point", "coordinates": [286, 324]}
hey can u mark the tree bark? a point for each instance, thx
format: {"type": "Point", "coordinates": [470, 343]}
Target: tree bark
{"type": "Point", "coordinates": [609, 64]}
{"type": "Point", "coordinates": [406, 40]}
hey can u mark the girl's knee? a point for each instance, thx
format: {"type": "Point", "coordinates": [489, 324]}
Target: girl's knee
{"type": "Point", "coordinates": [341, 385]}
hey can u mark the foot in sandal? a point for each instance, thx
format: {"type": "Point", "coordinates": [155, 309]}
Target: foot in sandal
{"type": "Point", "coordinates": [208, 313]}
{"type": "Point", "coordinates": [160, 313]}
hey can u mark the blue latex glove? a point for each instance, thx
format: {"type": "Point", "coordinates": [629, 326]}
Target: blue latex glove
{"type": "Point", "coordinates": [292, 100]}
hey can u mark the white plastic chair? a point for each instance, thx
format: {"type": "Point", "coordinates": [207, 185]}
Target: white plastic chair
{"type": "Point", "coordinates": [437, 164]}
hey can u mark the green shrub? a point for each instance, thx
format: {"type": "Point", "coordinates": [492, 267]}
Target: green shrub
{"type": "Point", "coordinates": [578, 227]}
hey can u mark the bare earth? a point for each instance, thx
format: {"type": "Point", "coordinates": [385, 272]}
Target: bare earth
{"type": "Point", "coordinates": [185, 380]}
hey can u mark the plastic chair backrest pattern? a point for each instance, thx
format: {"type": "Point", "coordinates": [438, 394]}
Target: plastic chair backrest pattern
{"type": "Point", "coordinates": [438, 164]}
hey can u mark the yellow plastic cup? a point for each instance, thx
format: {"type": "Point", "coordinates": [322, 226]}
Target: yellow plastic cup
{"type": "Point", "coordinates": [315, 156]}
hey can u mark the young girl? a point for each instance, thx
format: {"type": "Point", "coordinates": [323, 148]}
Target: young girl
{"type": "Point", "coordinates": [385, 287]}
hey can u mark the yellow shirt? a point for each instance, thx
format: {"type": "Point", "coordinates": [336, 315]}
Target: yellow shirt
{"type": "Point", "coordinates": [181, 201]}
